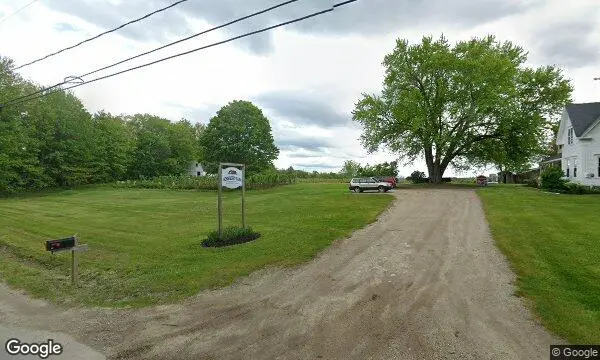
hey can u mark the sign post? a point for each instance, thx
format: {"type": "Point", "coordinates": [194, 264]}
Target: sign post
{"type": "Point", "coordinates": [231, 177]}
{"type": "Point", "coordinates": [220, 201]}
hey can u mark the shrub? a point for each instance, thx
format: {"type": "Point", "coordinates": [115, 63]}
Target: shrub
{"type": "Point", "coordinates": [257, 181]}
{"type": "Point", "coordinates": [418, 177]}
{"type": "Point", "coordinates": [532, 182]}
{"type": "Point", "coordinates": [231, 236]}
{"type": "Point", "coordinates": [576, 189]}
{"type": "Point", "coordinates": [551, 179]}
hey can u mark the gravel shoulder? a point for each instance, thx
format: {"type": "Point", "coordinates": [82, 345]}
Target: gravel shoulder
{"type": "Point", "coordinates": [425, 281]}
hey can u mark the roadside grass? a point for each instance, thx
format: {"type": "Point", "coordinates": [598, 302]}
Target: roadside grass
{"type": "Point", "coordinates": [553, 244]}
{"type": "Point", "coordinates": [145, 245]}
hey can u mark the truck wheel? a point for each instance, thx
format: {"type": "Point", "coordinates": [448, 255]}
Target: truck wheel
{"type": "Point", "coordinates": [381, 189]}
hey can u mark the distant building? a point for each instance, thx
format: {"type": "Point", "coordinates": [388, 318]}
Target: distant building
{"type": "Point", "coordinates": [196, 169]}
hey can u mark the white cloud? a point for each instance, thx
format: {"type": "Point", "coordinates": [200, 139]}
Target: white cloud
{"type": "Point", "coordinates": [332, 60]}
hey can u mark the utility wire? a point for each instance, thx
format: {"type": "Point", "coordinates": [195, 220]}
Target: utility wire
{"type": "Point", "coordinates": [101, 34]}
{"type": "Point", "coordinates": [315, 14]}
{"type": "Point", "coordinates": [158, 48]}
{"type": "Point", "coordinates": [17, 11]}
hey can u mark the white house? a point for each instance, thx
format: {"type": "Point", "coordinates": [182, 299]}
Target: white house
{"type": "Point", "coordinates": [196, 169]}
{"type": "Point", "coordinates": [578, 140]}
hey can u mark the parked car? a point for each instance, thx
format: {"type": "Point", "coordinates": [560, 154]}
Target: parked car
{"type": "Point", "coordinates": [389, 179]}
{"type": "Point", "coordinates": [362, 184]}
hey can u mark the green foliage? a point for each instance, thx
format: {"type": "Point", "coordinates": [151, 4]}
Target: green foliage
{"type": "Point", "coordinates": [163, 148]}
{"type": "Point", "coordinates": [241, 134]}
{"type": "Point", "coordinates": [350, 169]}
{"type": "Point", "coordinates": [172, 182]}
{"type": "Point", "coordinates": [532, 182]}
{"type": "Point", "coordinates": [418, 177]}
{"type": "Point", "coordinates": [463, 105]}
{"type": "Point", "coordinates": [385, 169]}
{"type": "Point", "coordinates": [231, 236]}
{"type": "Point", "coordinates": [578, 189]}
{"type": "Point", "coordinates": [551, 179]}
{"type": "Point", "coordinates": [54, 142]}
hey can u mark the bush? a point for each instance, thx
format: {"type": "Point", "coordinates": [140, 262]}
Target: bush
{"type": "Point", "coordinates": [576, 189]}
{"type": "Point", "coordinates": [551, 179]}
{"type": "Point", "coordinates": [418, 177]}
{"type": "Point", "coordinates": [257, 181]}
{"type": "Point", "coordinates": [532, 182]}
{"type": "Point", "coordinates": [231, 236]}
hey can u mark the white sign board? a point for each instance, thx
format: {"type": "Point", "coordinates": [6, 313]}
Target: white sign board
{"type": "Point", "coordinates": [232, 178]}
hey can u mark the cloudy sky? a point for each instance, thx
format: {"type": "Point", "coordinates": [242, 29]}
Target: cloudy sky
{"type": "Point", "coordinates": [306, 77]}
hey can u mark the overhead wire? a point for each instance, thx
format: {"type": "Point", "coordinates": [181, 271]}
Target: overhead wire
{"type": "Point", "coordinates": [285, 3]}
{"type": "Point", "coordinates": [18, 11]}
{"type": "Point", "coordinates": [306, 17]}
{"type": "Point", "coordinates": [101, 34]}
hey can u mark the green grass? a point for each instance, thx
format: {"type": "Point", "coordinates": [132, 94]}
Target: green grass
{"type": "Point", "coordinates": [553, 244]}
{"type": "Point", "coordinates": [145, 244]}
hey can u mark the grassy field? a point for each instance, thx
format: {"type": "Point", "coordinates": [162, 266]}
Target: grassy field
{"type": "Point", "coordinates": [553, 244]}
{"type": "Point", "coordinates": [145, 244]}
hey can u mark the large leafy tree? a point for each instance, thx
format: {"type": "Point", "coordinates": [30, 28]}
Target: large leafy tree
{"type": "Point", "coordinates": [239, 133]}
{"type": "Point", "coordinates": [464, 105]}
{"type": "Point", "coordinates": [19, 166]}
{"type": "Point", "coordinates": [114, 145]}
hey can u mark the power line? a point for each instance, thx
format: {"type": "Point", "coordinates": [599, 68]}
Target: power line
{"type": "Point", "coordinates": [18, 11]}
{"type": "Point", "coordinates": [159, 48]}
{"type": "Point", "coordinates": [315, 14]}
{"type": "Point", "coordinates": [101, 34]}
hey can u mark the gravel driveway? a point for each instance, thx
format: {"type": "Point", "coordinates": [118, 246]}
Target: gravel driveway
{"type": "Point", "coordinates": [424, 282]}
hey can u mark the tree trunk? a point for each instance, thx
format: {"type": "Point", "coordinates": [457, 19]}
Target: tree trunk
{"type": "Point", "coordinates": [434, 168]}
{"type": "Point", "coordinates": [435, 176]}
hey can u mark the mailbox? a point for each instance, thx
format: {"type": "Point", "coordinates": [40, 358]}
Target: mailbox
{"type": "Point", "coordinates": [60, 244]}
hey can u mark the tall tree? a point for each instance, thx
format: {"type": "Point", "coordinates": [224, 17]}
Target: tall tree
{"type": "Point", "coordinates": [114, 145]}
{"type": "Point", "coordinates": [351, 168]}
{"type": "Point", "coordinates": [464, 105]}
{"type": "Point", "coordinates": [19, 166]}
{"type": "Point", "coordinates": [152, 155]}
{"type": "Point", "coordinates": [239, 133]}
{"type": "Point", "coordinates": [185, 146]}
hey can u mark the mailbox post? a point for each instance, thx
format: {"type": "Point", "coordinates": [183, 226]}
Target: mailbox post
{"type": "Point", "coordinates": [68, 244]}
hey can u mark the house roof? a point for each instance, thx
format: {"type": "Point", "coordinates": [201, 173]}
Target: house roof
{"type": "Point", "coordinates": [583, 116]}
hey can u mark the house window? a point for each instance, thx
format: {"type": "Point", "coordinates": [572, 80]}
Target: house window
{"type": "Point", "coordinates": [598, 166]}
{"type": "Point", "coordinates": [570, 136]}
{"type": "Point", "coordinates": [567, 172]}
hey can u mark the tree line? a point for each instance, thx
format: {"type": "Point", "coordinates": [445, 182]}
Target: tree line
{"type": "Point", "coordinates": [53, 141]}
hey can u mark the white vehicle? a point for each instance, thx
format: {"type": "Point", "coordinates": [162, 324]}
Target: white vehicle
{"type": "Point", "coordinates": [362, 184]}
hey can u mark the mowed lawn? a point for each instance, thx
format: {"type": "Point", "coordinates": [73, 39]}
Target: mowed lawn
{"type": "Point", "coordinates": [553, 244]}
{"type": "Point", "coordinates": [145, 244]}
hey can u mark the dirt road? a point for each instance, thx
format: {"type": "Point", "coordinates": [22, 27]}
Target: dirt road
{"type": "Point", "coordinates": [424, 282]}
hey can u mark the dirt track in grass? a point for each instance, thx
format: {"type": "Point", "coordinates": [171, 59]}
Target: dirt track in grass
{"type": "Point", "coordinates": [424, 282]}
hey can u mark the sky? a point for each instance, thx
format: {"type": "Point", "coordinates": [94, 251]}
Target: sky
{"type": "Point", "coordinates": [306, 77]}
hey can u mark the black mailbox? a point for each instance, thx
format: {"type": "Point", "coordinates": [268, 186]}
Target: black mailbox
{"type": "Point", "coordinates": [60, 244]}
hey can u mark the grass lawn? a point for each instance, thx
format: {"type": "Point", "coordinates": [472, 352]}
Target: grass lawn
{"type": "Point", "coordinates": [145, 244]}
{"type": "Point", "coordinates": [553, 243]}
